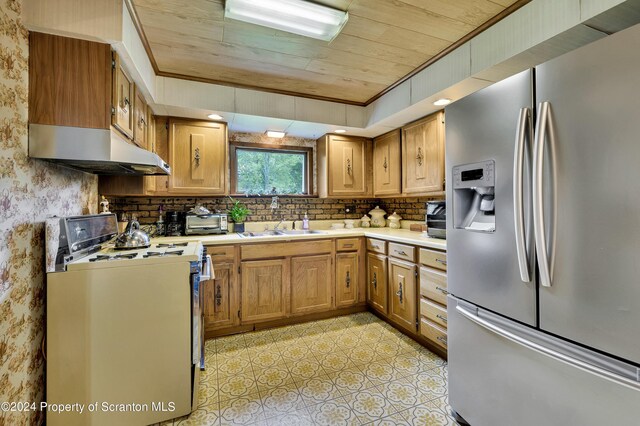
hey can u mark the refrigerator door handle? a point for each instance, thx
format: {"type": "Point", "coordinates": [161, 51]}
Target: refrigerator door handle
{"type": "Point", "coordinates": [544, 131]}
{"type": "Point", "coordinates": [523, 133]}
{"type": "Point", "coordinates": [577, 363]}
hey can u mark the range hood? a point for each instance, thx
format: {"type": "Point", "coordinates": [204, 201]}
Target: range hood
{"type": "Point", "coordinates": [99, 151]}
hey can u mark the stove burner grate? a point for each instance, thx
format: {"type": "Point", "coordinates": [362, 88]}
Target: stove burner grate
{"type": "Point", "coordinates": [102, 257]}
{"type": "Point", "coordinates": [171, 245]}
{"type": "Point", "coordinates": [166, 253]}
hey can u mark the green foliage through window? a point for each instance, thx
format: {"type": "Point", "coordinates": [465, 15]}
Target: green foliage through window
{"type": "Point", "coordinates": [261, 170]}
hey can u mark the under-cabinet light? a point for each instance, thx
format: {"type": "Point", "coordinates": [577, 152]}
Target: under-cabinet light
{"type": "Point", "coordinates": [215, 116]}
{"type": "Point", "coordinates": [275, 134]}
{"type": "Point", "coordinates": [442, 102]}
{"type": "Point", "coordinates": [295, 16]}
{"type": "Point", "coordinates": [340, 131]}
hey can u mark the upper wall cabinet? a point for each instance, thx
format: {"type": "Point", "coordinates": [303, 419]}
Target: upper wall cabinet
{"type": "Point", "coordinates": [198, 157]}
{"type": "Point", "coordinates": [344, 166]}
{"type": "Point", "coordinates": [69, 82]}
{"type": "Point", "coordinates": [140, 120]}
{"type": "Point", "coordinates": [123, 99]}
{"type": "Point", "coordinates": [423, 155]}
{"type": "Point", "coordinates": [386, 164]}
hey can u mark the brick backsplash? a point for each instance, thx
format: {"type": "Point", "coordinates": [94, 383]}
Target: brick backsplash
{"type": "Point", "coordinates": [291, 208]}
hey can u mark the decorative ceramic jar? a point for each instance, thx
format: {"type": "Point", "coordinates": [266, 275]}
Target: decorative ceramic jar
{"type": "Point", "coordinates": [394, 221]}
{"type": "Point", "coordinates": [348, 223]}
{"type": "Point", "coordinates": [377, 218]}
{"type": "Point", "coordinates": [365, 222]}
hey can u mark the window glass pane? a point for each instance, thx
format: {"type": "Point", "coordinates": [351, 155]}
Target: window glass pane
{"type": "Point", "coordinates": [259, 171]}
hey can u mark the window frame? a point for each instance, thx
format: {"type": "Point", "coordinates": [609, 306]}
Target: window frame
{"type": "Point", "coordinates": [233, 165]}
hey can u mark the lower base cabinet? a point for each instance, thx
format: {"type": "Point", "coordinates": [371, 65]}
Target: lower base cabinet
{"type": "Point", "coordinates": [377, 288]}
{"type": "Point", "coordinates": [311, 284]}
{"type": "Point", "coordinates": [347, 280]}
{"type": "Point", "coordinates": [220, 303]}
{"type": "Point", "coordinates": [264, 284]}
{"type": "Point", "coordinates": [403, 294]}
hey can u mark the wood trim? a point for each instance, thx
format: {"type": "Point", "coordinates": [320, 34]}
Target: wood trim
{"type": "Point", "coordinates": [308, 151]}
{"type": "Point", "coordinates": [143, 37]}
{"type": "Point", "coordinates": [145, 42]}
{"type": "Point", "coordinates": [488, 24]}
{"type": "Point", "coordinates": [361, 307]}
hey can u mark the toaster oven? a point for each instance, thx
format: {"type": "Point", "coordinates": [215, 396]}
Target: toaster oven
{"type": "Point", "coordinates": [206, 224]}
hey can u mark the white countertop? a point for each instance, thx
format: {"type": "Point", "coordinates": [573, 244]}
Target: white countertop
{"type": "Point", "coordinates": [396, 235]}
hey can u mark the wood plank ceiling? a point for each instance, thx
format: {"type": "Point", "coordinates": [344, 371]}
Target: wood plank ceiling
{"type": "Point", "coordinates": [383, 41]}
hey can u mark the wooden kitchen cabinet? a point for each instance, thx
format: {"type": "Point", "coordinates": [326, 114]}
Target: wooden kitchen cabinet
{"type": "Point", "coordinates": [402, 294]}
{"type": "Point", "coordinates": [264, 290]}
{"type": "Point", "coordinates": [347, 279]}
{"type": "Point", "coordinates": [198, 157]}
{"type": "Point", "coordinates": [311, 284]}
{"type": "Point", "coordinates": [423, 155]}
{"type": "Point", "coordinates": [123, 99]}
{"type": "Point", "coordinates": [140, 120]}
{"type": "Point", "coordinates": [387, 176]}
{"type": "Point", "coordinates": [220, 297]}
{"type": "Point", "coordinates": [343, 166]}
{"type": "Point", "coordinates": [377, 289]}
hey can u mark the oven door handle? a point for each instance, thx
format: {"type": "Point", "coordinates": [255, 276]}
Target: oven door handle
{"type": "Point", "coordinates": [208, 273]}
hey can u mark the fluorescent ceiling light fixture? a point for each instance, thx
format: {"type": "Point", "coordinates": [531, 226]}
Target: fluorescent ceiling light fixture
{"type": "Point", "coordinates": [215, 116]}
{"type": "Point", "coordinates": [294, 16]}
{"type": "Point", "coordinates": [442, 102]}
{"type": "Point", "coordinates": [275, 134]}
{"type": "Point", "coordinates": [340, 131]}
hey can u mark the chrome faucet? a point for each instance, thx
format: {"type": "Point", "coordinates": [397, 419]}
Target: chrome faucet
{"type": "Point", "coordinates": [275, 228]}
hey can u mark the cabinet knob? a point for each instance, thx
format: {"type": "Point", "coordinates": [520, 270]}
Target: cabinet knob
{"type": "Point", "coordinates": [218, 295]}
{"type": "Point", "coordinates": [375, 281]}
{"type": "Point", "coordinates": [399, 293]}
{"type": "Point", "coordinates": [419, 156]}
{"type": "Point", "coordinates": [196, 156]}
{"type": "Point", "coordinates": [385, 164]}
{"type": "Point", "coordinates": [349, 168]}
{"type": "Point", "coordinates": [348, 280]}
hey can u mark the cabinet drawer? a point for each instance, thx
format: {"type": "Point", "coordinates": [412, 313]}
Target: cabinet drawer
{"type": "Point", "coordinates": [402, 251]}
{"type": "Point", "coordinates": [433, 312]}
{"type": "Point", "coordinates": [433, 285]}
{"type": "Point", "coordinates": [433, 332]}
{"type": "Point", "coordinates": [221, 252]}
{"type": "Point", "coordinates": [348, 244]}
{"type": "Point", "coordinates": [377, 246]}
{"type": "Point", "coordinates": [434, 259]}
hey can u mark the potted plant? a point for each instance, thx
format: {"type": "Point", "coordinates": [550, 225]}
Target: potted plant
{"type": "Point", "coordinates": [238, 213]}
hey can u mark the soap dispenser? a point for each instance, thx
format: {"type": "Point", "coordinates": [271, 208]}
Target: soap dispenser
{"type": "Point", "coordinates": [305, 221]}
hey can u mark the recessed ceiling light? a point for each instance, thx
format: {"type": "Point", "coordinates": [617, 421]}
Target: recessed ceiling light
{"type": "Point", "coordinates": [340, 131]}
{"type": "Point", "coordinates": [442, 102]}
{"type": "Point", "coordinates": [295, 16]}
{"type": "Point", "coordinates": [275, 134]}
{"type": "Point", "coordinates": [215, 116]}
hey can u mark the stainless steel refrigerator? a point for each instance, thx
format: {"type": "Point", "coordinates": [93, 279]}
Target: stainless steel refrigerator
{"type": "Point", "coordinates": [543, 240]}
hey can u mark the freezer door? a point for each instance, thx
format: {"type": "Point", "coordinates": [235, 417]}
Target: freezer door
{"type": "Point", "coordinates": [590, 209]}
{"type": "Point", "coordinates": [484, 268]}
{"type": "Point", "coordinates": [504, 373]}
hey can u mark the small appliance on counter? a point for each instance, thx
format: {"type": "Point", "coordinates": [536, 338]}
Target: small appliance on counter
{"type": "Point", "coordinates": [436, 219]}
{"type": "Point", "coordinates": [174, 224]}
{"type": "Point", "coordinates": [206, 224]}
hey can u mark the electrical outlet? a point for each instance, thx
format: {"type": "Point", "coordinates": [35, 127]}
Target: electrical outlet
{"type": "Point", "coordinates": [349, 209]}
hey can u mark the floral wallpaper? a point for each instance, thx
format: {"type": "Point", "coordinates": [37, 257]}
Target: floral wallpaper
{"type": "Point", "coordinates": [30, 190]}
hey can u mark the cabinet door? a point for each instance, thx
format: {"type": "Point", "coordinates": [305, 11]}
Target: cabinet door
{"type": "Point", "coordinates": [386, 164]}
{"type": "Point", "coordinates": [311, 284]}
{"type": "Point", "coordinates": [402, 294]}
{"type": "Point", "coordinates": [198, 157]}
{"type": "Point", "coordinates": [347, 283]}
{"type": "Point", "coordinates": [377, 282]}
{"type": "Point", "coordinates": [122, 99]}
{"type": "Point", "coordinates": [263, 290]}
{"type": "Point", "coordinates": [220, 298]}
{"type": "Point", "coordinates": [347, 166]}
{"type": "Point", "coordinates": [150, 182]}
{"type": "Point", "coordinates": [423, 155]}
{"type": "Point", "coordinates": [140, 123]}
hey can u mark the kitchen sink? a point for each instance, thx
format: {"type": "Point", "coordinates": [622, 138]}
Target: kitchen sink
{"type": "Point", "coordinates": [283, 232]}
{"type": "Point", "coordinates": [299, 232]}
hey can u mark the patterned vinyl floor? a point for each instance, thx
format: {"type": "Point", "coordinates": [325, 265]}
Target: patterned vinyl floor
{"type": "Point", "coordinates": [351, 370]}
